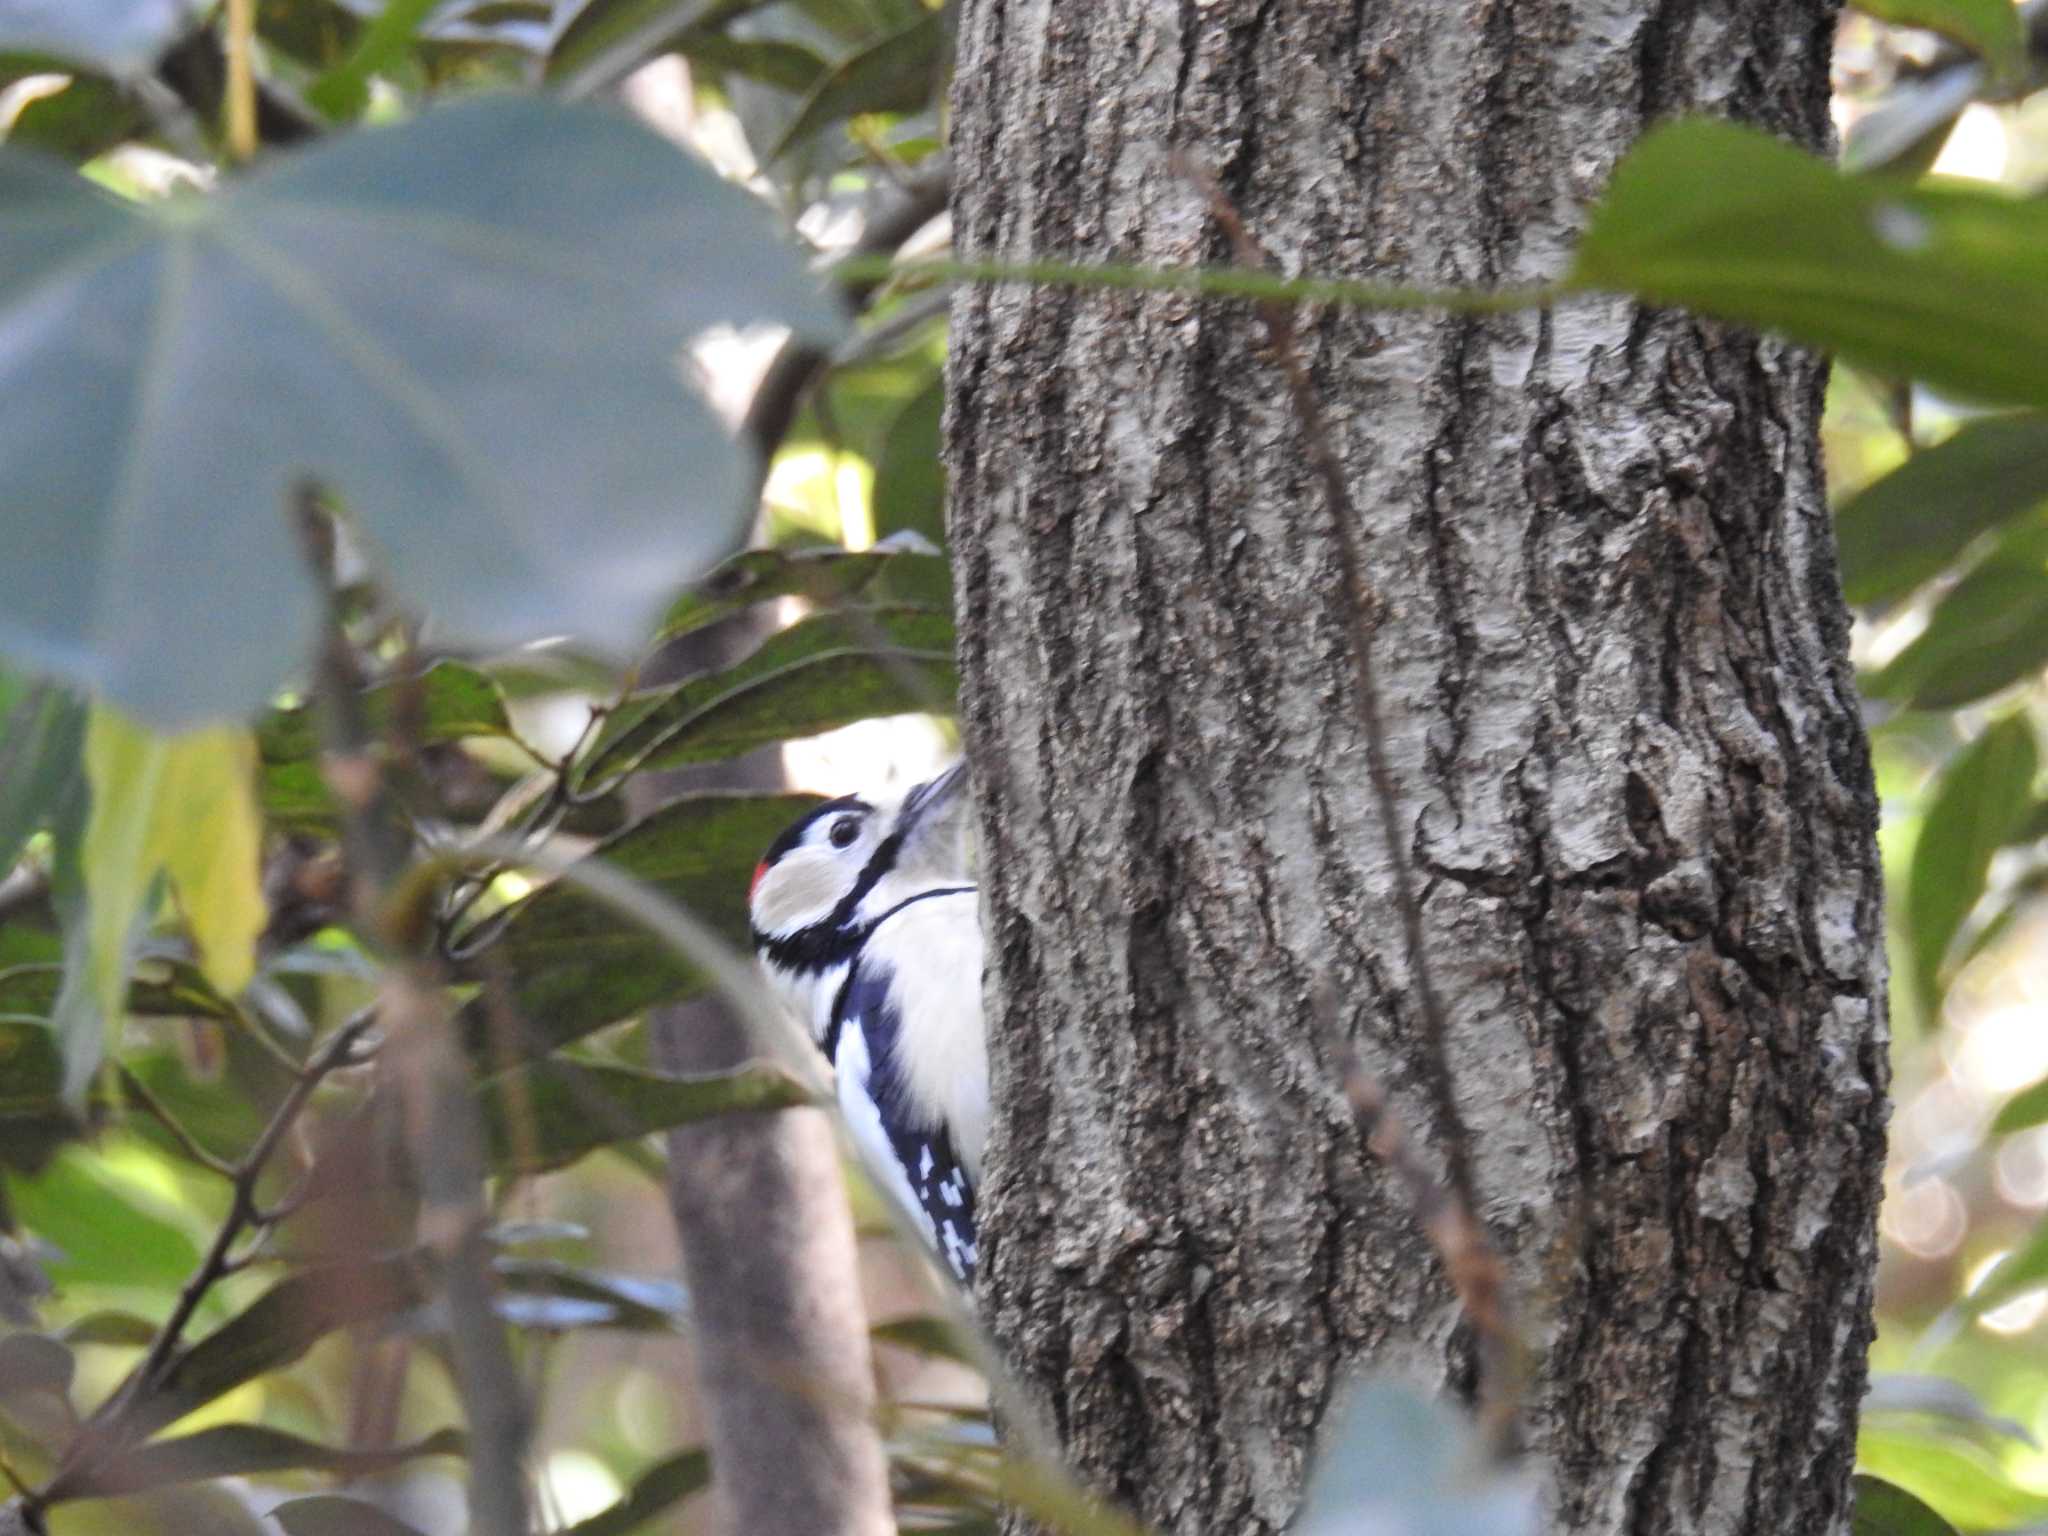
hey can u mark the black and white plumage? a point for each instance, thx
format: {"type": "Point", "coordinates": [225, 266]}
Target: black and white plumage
{"type": "Point", "coordinates": [867, 923]}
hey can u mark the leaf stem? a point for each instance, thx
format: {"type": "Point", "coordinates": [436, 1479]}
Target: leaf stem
{"type": "Point", "coordinates": [1213, 282]}
{"type": "Point", "coordinates": [241, 92]}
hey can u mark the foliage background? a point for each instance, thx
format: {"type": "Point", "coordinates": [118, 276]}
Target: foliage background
{"type": "Point", "coordinates": [830, 112]}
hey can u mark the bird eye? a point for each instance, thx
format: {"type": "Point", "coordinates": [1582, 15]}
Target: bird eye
{"type": "Point", "coordinates": [844, 831]}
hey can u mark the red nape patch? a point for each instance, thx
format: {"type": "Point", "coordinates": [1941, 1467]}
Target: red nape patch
{"type": "Point", "coordinates": [754, 884]}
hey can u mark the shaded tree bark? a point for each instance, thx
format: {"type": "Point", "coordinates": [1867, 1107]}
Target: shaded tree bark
{"type": "Point", "coordinates": [1630, 770]}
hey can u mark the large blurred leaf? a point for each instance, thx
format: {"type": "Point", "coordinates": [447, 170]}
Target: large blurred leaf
{"type": "Point", "coordinates": [1988, 631]}
{"type": "Point", "coordinates": [820, 673]}
{"type": "Point", "coordinates": [828, 577]}
{"type": "Point", "coordinates": [667, 1482]}
{"type": "Point", "coordinates": [1985, 792]}
{"type": "Point", "coordinates": [570, 965]}
{"type": "Point", "coordinates": [467, 324]}
{"type": "Point", "coordinates": [1885, 1509]}
{"type": "Point", "coordinates": [184, 806]}
{"type": "Point", "coordinates": [1988, 28]}
{"type": "Point", "coordinates": [896, 73]}
{"type": "Point", "coordinates": [1942, 284]}
{"type": "Point", "coordinates": [118, 37]}
{"type": "Point", "coordinates": [1898, 531]}
{"type": "Point", "coordinates": [243, 1450]}
{"type": "Point", "coordinates": [552, 1112]}
{"type": "Point", "coordinates": [2022, 1112]}
{"type": "Point", "coordinates": [1397, 1463]}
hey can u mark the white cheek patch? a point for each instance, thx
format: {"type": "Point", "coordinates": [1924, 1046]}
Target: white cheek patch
{"type": "Point", "coordinates": [799, 891]}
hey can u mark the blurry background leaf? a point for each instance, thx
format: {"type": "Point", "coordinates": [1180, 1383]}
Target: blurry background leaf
{"type": "Point", "coordinates": [1988, 28]}
{"type": "Point", "coordinates": [1884, 1509]}
{"type": "Point", "coordinates": [552, 1112]}
{"type": "Point", "coordinates": [667, 1482]}
{"type": "Point", "coordinates": [1988, 631]}
{"type": "Point", "coordinates": [1906, 527]}
{"type": "Point", "coordinates": [243, 1450]}
{"type": "Point", "coordinates": [295, 323]}
{"type": "Point", "coordinates": [1982, 796]}
{"type": "Point", "coordinates": [183, 806]}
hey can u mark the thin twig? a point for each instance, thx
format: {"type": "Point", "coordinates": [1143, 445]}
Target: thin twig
{"type": "Point", "coordinates": [1447, 1212]}
{"type": "Point", "coordinates": [138, 1090]}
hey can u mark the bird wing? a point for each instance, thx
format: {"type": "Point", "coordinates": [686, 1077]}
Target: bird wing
{"type": "Point", "coordinates": [914, 1162]}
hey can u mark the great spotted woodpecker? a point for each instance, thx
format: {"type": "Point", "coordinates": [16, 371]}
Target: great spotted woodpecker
{"type": "Point", "coordinates": [867, 923]}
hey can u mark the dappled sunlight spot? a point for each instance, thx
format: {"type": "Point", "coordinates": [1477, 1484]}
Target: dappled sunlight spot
{"type": "Point", "coordinates": [2015, 1316]}
{"type": "Point", "coordinates": [873, 755]}
{"type": "Point", "coordinates": [805, 487]}
{"type": "Point", "coordinates": [1926, 1218]}
{"type": "Point", "coordinates": [1977, 146]}
{"type": "Point", "coordinates": [644, 1414]}
{"type": "Point", "coordinates": [2020, 1170]}
{"type": "Point", "coordinates": [2000, 1050]}
{"type": "Point", "coordinates": [577, 1485]}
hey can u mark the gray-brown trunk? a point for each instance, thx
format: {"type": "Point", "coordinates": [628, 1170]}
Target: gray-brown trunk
{"type": "Point", "coordinates": [1630, 770]}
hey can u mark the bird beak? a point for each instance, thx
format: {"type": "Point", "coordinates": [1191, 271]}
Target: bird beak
{"type": "Point", "coordinates": [935, 820]}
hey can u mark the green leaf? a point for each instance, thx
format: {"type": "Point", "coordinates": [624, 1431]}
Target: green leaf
{"type": "Point", "coordinates": [445, 703]}
{"type": "Point", "coordinates": [467, 325]}
{"type": "Point", "coordinates": [345, 89]}
{"type": "Point", "coordinates": [1988, 631]}
{"type": "Point", "coordinates": [910, 477]}
{"type": "Point", "coordinates": [1988, 28]}
{"type": "Point", "coordinates": [117, 37]}
{"type": "Point", "coordinates": [826, 577]}
{"type": "Point", "coordinates": [818, 674]}
{"type": "Point", "coordinates": [550, 1113]}
{"type": "Point", "coordinates": [269, 1334]}
{"type": "Point", "coordinates": [40, 742]}
{"type": "Point", "coordinates": [329, 1514]}
{"type": "Point", "coordinates": [1885, 1509]}
{"type": "Point", "coordinates": [31, 1071]}
{"type": "Point", "coordinates": [1984, 793]}
{"type": "Point", "coordinates": [606, 40]}
{"type": "Point", "coordinates": [86, 118]}
{"type": "Point", "coordinates": [1942, 284]}
{"type": "Point", "coordinates": [898, 73]}
{"type": "Point", "coordinates": [1908, 526]}
{"type": "Point", "coordinates": [1957, 1479]}
{"type": "Point", "coordinates": [570, 965]}
{"type": "Point", "coordinates": [667, 1482]}
{"type": "Point", "coordinates": [2022, 1112]}
{"type": "Point", "coordinates": [244, 1450]}
{"type": "Point", "coordinates": [106, 1230]}
{"type": "Point", "coordinates": [184, 806]}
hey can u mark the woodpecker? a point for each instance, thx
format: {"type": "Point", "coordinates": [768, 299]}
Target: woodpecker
{"type": "Point", "coordinates": [868, 925]}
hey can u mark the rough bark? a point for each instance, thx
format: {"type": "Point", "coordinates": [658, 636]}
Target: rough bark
{"type": "Point", "coordinates": [1629, 764]}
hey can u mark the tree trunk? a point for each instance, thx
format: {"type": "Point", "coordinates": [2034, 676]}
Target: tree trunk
{"type": "Point", "coordinates": [1628, 764]}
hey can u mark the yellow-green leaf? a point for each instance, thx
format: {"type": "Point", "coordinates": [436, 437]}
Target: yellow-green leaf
{"type": "Point", "coordinates": [183, 806]}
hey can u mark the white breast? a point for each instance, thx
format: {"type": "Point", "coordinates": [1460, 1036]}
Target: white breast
{"type": "Point", "coordinates": [933, 952]}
